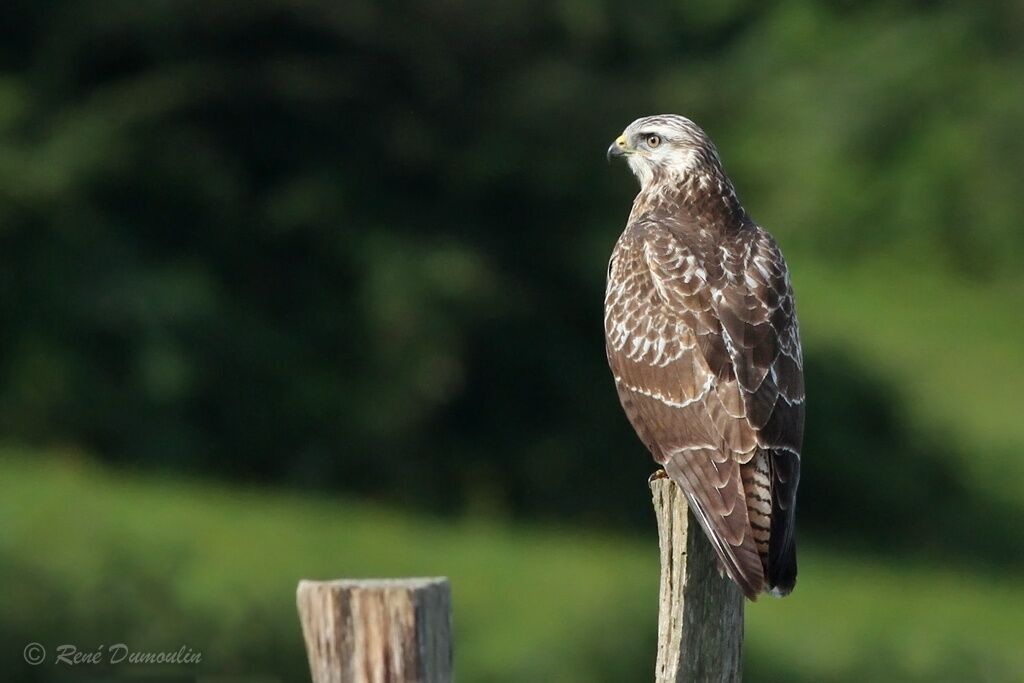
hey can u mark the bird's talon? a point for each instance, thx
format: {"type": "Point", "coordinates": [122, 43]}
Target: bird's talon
{"type": "Point", "coordinates": [656, 475]}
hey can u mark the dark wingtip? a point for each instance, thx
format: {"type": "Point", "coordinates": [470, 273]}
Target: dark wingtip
{"type": "Point", "coordinates": [782, 575]}
{"type": "Point", "coordinates": [782, 550]}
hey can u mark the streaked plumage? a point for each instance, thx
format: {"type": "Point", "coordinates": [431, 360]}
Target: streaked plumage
{"type": "Point", "coordinates": [703, 342]}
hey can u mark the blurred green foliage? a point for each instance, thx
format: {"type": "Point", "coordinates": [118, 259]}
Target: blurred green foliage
{"type": "Point", "coordinates": [360, 246]}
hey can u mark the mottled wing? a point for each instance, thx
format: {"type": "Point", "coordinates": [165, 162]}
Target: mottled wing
{"type": "Point", "coordinates": [706, 356]}
{"type": "Point", "coordinates": [673, 372]}
{"type": "Point", "coordinates": [759, 325]}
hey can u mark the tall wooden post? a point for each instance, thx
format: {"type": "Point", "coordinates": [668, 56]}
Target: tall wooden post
{"type": "Point", "coordinates": [378, 630]}
{"type": "Point", "coordinates": [700, 615]}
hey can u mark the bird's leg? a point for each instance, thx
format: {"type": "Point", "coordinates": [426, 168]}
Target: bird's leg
{"type": "Point", "coordinates": [656, 475]}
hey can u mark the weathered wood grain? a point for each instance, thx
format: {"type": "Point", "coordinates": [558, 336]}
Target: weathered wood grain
{"type": "Point", "coordinates": [700, 615]}
{"type": "Point", "coordinates": [378, 630]}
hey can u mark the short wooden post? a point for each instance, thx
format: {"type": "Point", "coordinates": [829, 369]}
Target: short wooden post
{"type": "Point", "coordinates": [700, 615]}
{"type": "Point", "coordinates": [377, 630]}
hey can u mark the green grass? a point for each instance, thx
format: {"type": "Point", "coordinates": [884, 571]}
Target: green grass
{"type": "Point", "coordinates": [91, 556]}
{"type": "Point", "coordinates": [851, 619]}
{"type": "Point", "coordinates": [215, 568]}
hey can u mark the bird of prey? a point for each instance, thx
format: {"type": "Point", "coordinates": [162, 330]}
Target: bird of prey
{"type": "Point", "coordinates": [702, 339]}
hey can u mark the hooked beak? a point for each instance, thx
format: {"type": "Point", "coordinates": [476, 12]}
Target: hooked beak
{"type": "Point", "coordinates": [618, 148]}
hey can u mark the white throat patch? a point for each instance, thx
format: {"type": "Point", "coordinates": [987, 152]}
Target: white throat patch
{"type": "Point", "coordinates": [674, 166]}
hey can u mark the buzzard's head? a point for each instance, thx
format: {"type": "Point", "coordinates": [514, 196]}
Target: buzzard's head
{"type": "Point", "coordinates": [666, 146]}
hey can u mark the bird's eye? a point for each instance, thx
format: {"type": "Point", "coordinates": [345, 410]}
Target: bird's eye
{"type": "Point", "coordinates": [653, 141]}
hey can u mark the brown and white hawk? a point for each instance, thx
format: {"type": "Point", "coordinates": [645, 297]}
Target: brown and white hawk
{"type": "Point", "coordinates": [703, 342]}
